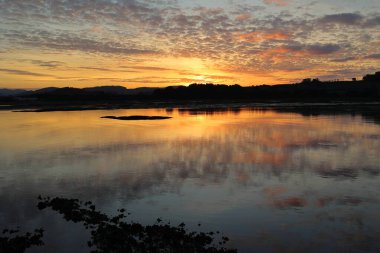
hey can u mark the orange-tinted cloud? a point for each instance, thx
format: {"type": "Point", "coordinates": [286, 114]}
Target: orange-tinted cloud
{"type": "Point", "coordinates": [243, 17]}
{"type": "Point", "coordinates": [298, 50]}
{"type": "Point", "coordinates": [254, 37]}
{"type": "Point", "coordinates": [78, 41]}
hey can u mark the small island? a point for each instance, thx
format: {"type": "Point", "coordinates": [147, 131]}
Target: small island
{"type": "Point", "coordinates": [136, 117]}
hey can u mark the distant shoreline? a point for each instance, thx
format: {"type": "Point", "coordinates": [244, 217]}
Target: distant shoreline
{"type": "Point", "coordinates": [308, 92]}
{"type": "Point", "coordinates": [193, 104]}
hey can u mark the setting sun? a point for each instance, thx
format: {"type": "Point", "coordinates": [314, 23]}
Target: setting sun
{"type": "Point", "coordinates": [143, 43]}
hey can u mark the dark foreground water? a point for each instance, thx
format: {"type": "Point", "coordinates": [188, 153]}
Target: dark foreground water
{"type": "Point", "coordinates": [272, 181]}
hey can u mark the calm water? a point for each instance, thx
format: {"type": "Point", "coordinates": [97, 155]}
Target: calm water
{"type": "Point", "coordinates": [271, 181]}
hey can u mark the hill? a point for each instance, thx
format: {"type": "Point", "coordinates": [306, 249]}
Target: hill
{"type": "Point", "coordinates": [309, 90]}
{"type": "Point", "coordinates": [11, 92]}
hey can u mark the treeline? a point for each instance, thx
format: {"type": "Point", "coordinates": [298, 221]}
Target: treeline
{"type": "Point", "coordinates": [314, 89]}
{"type": "Point", "coordinates": [307, 90]}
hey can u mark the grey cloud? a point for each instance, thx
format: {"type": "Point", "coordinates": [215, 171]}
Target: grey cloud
{"type": "Point", "coordinates": [146, 80]}
{"type": "Point", "coordinates": [346, 59]}
{"type": "Point", "coordinates": [319, 49]}
{"type": "Point", "coordinates": [49, 64]}
{"type": "Point", "coordinates": [146, 68]}
{"type": "Point", "coordinates": [152, 79]}
{"type": "Point", "coordinates": [313, 49]}
{"type": "Point", "coordinates": [372, 22]}
{"type": "Point", "coordinates": [62, 41]}
{"type": "Point", "coordinates": [373, 56]}
{"type": "Point", "coordinates": [22, 72]}
{"type": "Point", "coordinates": [342, 18]}
{"type": "Point", "coordinates": [350, 19]}
{"type": "Point", "coordinates": [109, 70]}
{"type": "Point", "coordinates": [99, 69]}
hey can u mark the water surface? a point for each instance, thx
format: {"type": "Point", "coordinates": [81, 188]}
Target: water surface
{"type": "Point", "coordinates": [272, 181]}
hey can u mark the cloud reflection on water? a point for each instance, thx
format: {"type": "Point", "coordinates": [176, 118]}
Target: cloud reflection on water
{"type": "Point", "coordinates": [242, 165]}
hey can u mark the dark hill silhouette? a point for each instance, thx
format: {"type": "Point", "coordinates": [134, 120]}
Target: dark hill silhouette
{"type": "Point", "coordinates": [101, 93]}
{"type": "Point", "coordinates": [66, 93]}
{"type": "Point", "coordinates": [142, 91]}
{"type": "Point", "coordinates": [76, 94]}
{"type": "Point", "coordinates": [116, 90]}
{"type": "Point", "coordinates": [43, 90]}
{"type": "Point", "coordinates": [35, 92]}
{"type": "Point", "coordinates": [309, 90]}
{"type": "Point", "coordinates": [11, 92]}
{"type": "Point", "coordinates": [110, 90]}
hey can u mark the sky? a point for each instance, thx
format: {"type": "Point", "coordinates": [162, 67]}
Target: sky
{"type": "Point", "coordinates": [156, 43]}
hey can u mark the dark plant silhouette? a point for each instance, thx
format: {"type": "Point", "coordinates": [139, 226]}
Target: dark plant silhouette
{"type": "Point", "coordinates": [12, 242]}
{"type": "Point", "coordinates": [114, 234]}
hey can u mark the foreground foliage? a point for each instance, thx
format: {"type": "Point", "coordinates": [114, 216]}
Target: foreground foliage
{"type": "Point", "coordinates": [115, 234]}
{"type": "Point", "coordinates": [12, 242]}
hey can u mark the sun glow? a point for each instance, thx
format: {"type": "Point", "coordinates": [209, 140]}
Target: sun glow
{"type": "Point", "coordinates": [156, 44]}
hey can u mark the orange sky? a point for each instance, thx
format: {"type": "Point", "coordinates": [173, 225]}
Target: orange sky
{"type": "Point", "coordinates": [140, 43]}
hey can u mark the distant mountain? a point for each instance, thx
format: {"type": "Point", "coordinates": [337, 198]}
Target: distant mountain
{"type": "Point", "coordinates": [106, 90]}
{"type": "Point", "coordinates": [62, 93]}
{"type": "Point", "coordinates": [70, 92]}
{"type": "Point", "coordinates": [76, 94]}
{"type": "Point", "coordinates": [11, 92]}
{"type": "Point", "coordinates": [116, 90]}
{"type": "Point", "coordinates": [28, 93]}
{"type": "Point", "coordinates": [121, 90]}
{"type": "Point", "coordinates": [45, 90]}
{"type": "Point", "coordinates": [90, 92]}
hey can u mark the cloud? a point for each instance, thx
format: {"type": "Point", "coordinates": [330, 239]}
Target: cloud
{"type": "Point", "coordinates": [263, 36]}
{"type": "Point", "coordinates": [320, 49]}
{"type": "Point", "coordinates": [48, 64]}
{"type": "Point", "coordinates": [70, 42]}
{"type": "Point", "coordinates": [98, 69]}
{"type": "Point", "coordinates": [243, 17]}
{"type": "Point", "coordinates": [373, 56]}
{"type": "Point", "coordinates": [108, 69]}
{"type": "Point", "coordinates": [342, 18]}
{"type": "Point", "coordinates": [372, 22]}
{"type": "Point", "coordinates": [346, 59]}
{"type": "Point", "coordinates": [311, 49]}
{"type": "Point", "coordinates": [350, 19]}
{"type": "Point", "coordinates": [277, 2]}
{"type": "Point", "coordinates": [250, 36]}
{"type": "Point", "coordinates": [131, 69]}
{"type": "Point", "coordinates": [147, 68]}
{"type": "Point", "coordinates": [22, 72]}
